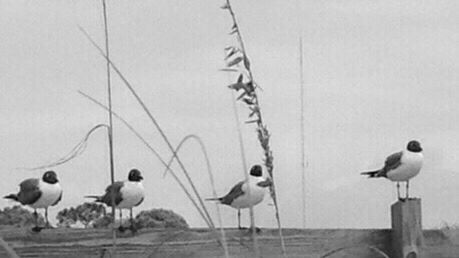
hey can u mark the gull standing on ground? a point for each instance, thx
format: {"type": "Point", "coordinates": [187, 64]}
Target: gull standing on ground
{"type": "Point", "coordinates": [39, 194]}
{"type": "Point", "coordinates": [246, 194]}
{"type": "Point", "coordinates": [128, 194]}
{"type": "Point", "coordinates": [401, 166]}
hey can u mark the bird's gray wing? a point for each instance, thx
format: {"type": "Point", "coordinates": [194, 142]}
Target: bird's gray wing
{"type": "Point", "coordinates": [115, 187]}
{"type": "Point", "coordinates": [139, 202]}
{"type": "Point", "coordinates": [235, 192]}
{"type": "Point", "coordinates": [392, 162]}
{"type": "Point", "coordinates": [29, 192]}
{"type": "Point", "coordinates": [58, 199]}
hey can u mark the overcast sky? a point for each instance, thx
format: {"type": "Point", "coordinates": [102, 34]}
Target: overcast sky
{"type": "Point", "coordinates": [377, 74]}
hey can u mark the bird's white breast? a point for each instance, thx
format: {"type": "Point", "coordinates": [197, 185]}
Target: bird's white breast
{"type": "Point", "coordinates": [132, 194]}
{"type": "Point", "coordinates": [248, 199]}
{"type": "Point", "coordinates": [411, 164]}
{"type": "Point", "coordinates": [50, 193]}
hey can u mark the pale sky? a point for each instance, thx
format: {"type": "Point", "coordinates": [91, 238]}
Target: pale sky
{"type": "Point", "coordinates": [377, 74]}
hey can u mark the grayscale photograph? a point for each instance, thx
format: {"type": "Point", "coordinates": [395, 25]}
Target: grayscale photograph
{"type": "Point", "coordinates": [229, 128]}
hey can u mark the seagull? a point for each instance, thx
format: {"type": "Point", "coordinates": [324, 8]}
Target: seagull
{"type": "Point", "coordinates": [128, 194]}
{"type": "Point", "coordinates": [246, 194]}
{"type": "Point", "coordinates": [39, 194]}
{"type": "Point", "coordinates": [401, 166]}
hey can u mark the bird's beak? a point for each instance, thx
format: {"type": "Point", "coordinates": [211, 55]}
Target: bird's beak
{"type": "Point", "coordinates": [265, 183]}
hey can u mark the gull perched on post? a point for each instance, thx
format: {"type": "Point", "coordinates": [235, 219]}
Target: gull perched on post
{"type": "Point", "coordinates": [401, 166]}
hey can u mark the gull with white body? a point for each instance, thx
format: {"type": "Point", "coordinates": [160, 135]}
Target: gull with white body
{"type": "Point", "coordinates": [39, 193]}
{"type": "Point", "coordinates": [246, 194]}
{"type": "Point", "coordinates": [401, 166]}
{"type": "Point", "coordinates": [127, 194]}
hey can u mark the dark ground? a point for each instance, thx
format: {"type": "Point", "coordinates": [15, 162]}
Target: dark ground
{"type": "Point", "coordinates": [189, 243]}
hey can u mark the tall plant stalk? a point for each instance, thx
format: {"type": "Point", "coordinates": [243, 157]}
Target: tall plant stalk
{"type": "Point", "coordinates": [237, 57]}
{"type": "Point", "coordinates": [303, 161]}
{"type": "Point", "coordinates": [110, 119]}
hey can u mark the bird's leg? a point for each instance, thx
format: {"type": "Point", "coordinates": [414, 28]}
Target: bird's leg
{"type": "Point", "coordinates": [46, 218]}
{"type": "Point", "coordinates": [35, 215]}
{"type": "Point", "coordinates": [253, 228]}
{"type": "Point", "coordinates": [239, 219]}
{"type": "Point", "coordinates": [48, 225]}
{"type": "Point", "coordinates": [398, 191]}
{"type": "Point", "coordinates": [407, 187]}
{"type": "Point", "coordinates": [257, 230]}
{"type": "Point", "coordinates": [121, 228]}
{"type": "Point", "coordinates": [132, 227]}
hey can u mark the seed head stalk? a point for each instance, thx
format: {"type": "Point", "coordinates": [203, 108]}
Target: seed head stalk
{"type": "Point", "coordinates": [237, 55]}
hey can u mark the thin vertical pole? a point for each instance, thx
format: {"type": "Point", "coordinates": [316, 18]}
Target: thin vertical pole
{"type": "Point", "coordinates": [110, 128]}
{"type": "Point", "coordinates": [303, 163]}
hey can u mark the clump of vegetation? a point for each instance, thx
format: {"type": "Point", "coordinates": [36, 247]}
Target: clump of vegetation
{"type": "Point", "coordinates": [18, 216]}
{"type": "Point", "coordinates": [160, 218]}
{"type": "Point", "coordinates": [66, 217]}
{"type": "Point", "coordinates": [450, 231]}
{"type": "Point", "coordinates": [103, 222]}
{"type": "Point", "coordinates": [94, 215]}
{"type": "Point", "coordinates": [85, 213]}
{"type": "Point", "coordinates": [154, 218]}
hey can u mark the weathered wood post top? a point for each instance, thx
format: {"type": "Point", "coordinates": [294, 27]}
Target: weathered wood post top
{"type": "Point", "coordinates": [407, 238]}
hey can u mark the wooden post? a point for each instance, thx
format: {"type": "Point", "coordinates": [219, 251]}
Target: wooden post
{"type": "Point", "coordinates": [407, 238]}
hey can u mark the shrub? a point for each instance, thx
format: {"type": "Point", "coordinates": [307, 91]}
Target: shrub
{"type": "Point", "coordinates": [160, 218]}
{"type": "Point", "coordinates": [103, 222]}
{"type": "Point", "coordinates": [66, 217]}
{"type": "Point", "coordinates": [86, 213]}
{"type": "Point", "coordinates": [18, 216]}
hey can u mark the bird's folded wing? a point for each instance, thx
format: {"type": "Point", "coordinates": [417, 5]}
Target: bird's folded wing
{"type": "Point", "coordinates": [29, 192]}
{"type": "Point", "coordinates": [58, 200]}
{"type": "Point", "coordinates": [392, 162]}
{"type": "Point", "coordinates": [116, 188]}
{"type": "Point", "coordinates": [235, 192]}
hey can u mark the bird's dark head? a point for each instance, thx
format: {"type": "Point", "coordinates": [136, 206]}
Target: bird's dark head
{"type": "Point", "coordinates": [414, 146]}
{"type": "Point", "coordinates": [135, 176]}
{"type": "Point", "coordinates": [50, 177]}
{"type": "Point", "coordinates": [256, 171]}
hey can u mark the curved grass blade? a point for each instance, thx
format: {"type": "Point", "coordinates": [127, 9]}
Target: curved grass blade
{"type": "Point", "coordinates": [132, 129]}
{"type": "Point", "coordinates": [75, 152]}
{"type": "Point", "coordinates": [10, 251]}
{"type": "Point", "coordinates": [211, 177]}
{"type": "Point", "coordinates": [150, 116]}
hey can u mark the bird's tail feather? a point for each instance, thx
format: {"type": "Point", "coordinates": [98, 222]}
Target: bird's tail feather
{"type": "Point", "coordinates": [213, 199]}
{"type": "Point", "coordinates": [371, 174]}
{"type": "Point", "coordinates": [11, 196]}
